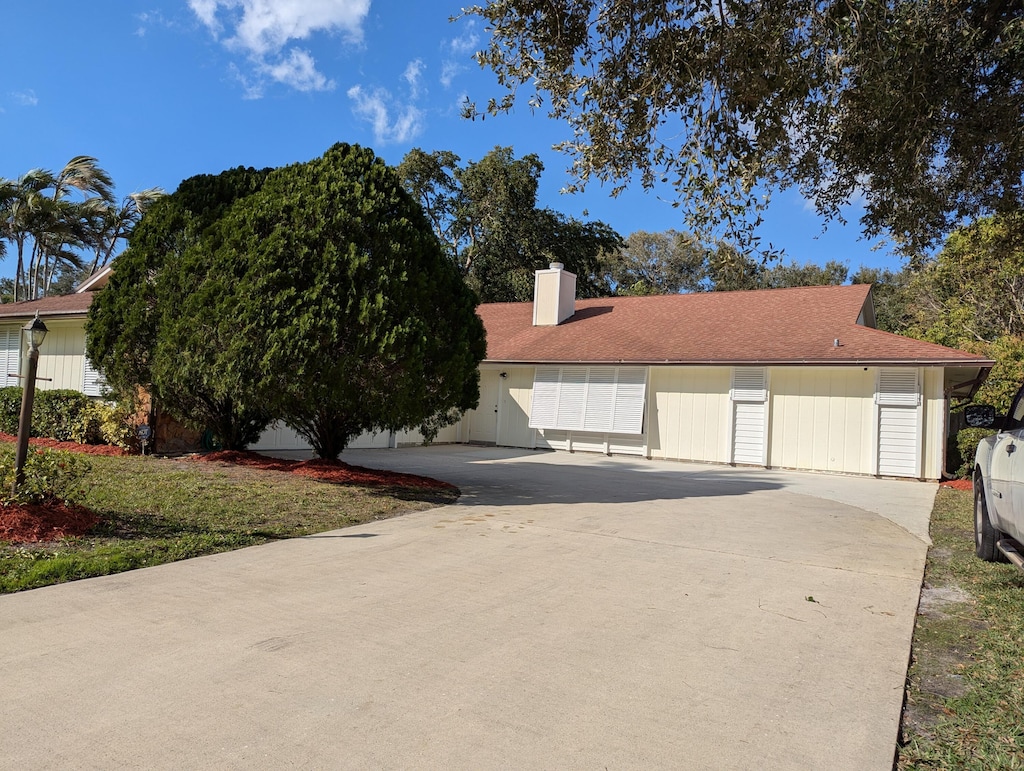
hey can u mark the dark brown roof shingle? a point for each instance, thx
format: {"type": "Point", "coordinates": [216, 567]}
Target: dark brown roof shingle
{"type": "Point", "coordinates": [64, 305]}
{"type": "Point", "coordinates": [771, 326]}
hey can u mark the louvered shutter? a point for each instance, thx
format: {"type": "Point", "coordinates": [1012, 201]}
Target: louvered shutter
{"type": "Point", "coordinates": [630, 393]}
{"type": "Point", "coordinates": [748, 384]}
{"type": "Point", "coordinates": [898, 388]}
{"type": "Point", "coordinates": [571, 398]}
{"type": "Point", "coordinates": [600, 401]}
{"type": "Point", "coordinates": [544, 408]}
{"type": "Point", "coordinates": [92, 380]}
{"type": "Point", "coordinates": [10, 359]}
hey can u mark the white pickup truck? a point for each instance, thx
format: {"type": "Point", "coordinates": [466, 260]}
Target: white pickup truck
{"type": "Point", "coordinates": [999, 484]}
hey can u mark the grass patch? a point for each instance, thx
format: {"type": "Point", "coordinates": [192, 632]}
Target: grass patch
{"type": "Point", "coordinates": [156, 510]}
{"type": "Point", "coordinates": [965, 689]}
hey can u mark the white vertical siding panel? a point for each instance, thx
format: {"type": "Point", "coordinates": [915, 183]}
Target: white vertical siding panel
{"type": "Point", "coordinates": [934, 422]}
{"type": "Point", "coordinates": [692, 408]}
{"type": "Point", "coordinates": [61, 356]}
{"type": "Point", "coordinates": [821, 418]}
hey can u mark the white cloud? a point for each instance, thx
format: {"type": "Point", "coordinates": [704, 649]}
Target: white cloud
{"type": "Point", "coordinates": [466, 44]}
{"type": "Point", "coordinates": [449, 69]}
{"type": "Point", "coordinates": [299, 71]}
{"type": "Point", "coordinates": [149, 19]}
{"type": "Point", "coordinates": [263, 29]}
{"type": "Point", "coordinates": [412, 76]}
{"type": "Point", "coordinates": [459, 50]}
{"type": "Point", "coordinates": [25, 98]}
{"type": "Point", "coordinates": [391, 123]}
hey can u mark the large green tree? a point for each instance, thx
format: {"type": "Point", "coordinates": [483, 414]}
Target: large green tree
{"type": "Point", "coordinates": [361, 321]}
{"type": "Point", "coordinates": [657, 263]}
{"type": "Point", "coordinates": [165, 321]}
{"type": "Point", "coordinates": [918, 105]}
{"type": "Point", "coordinates": [486, 216]}
{"type": "Point", "coordinates": [315, 294]}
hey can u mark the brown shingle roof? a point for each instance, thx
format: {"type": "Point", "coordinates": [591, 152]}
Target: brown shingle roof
{"type": "Point", "coordinates": [64, 305]}
{"type": "Point", "coordinates": [770, 326]}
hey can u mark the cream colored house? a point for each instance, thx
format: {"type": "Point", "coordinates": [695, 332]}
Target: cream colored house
{"type": "Point", "coordinates": [784, 378]}
{"type": "Point", "coordinates": [62, 360]}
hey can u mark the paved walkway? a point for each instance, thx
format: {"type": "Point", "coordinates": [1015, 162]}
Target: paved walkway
{"type": "Point", "coordinates": [570, 612]}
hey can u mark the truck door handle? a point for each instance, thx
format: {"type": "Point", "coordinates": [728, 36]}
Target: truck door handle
{"type": "Point", "coordinates": [1011, 449]}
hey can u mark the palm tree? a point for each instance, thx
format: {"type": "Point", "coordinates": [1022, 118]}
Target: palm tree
{"type": "Point", "coordinates": [110, 224]}
{"type": "Point", "coordinates": [21, 202]}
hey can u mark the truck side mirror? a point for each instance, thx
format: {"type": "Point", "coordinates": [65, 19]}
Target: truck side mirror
{"type": "Point", "coordinates": [980, 415]}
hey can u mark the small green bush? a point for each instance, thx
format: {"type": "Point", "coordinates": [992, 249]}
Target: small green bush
{"type": "Point", "coordinates": [967, 443]}
{"type": "Point", "coordinates": [114, 423]}
{"type": "Point", "coordinates": [10, 409]}
{"type": "Point", "coordinates": [70, 416]}
{"type": "Point", "coordinates": [58, 413]}
{"type": "Point", "coordinates": [49, 474]}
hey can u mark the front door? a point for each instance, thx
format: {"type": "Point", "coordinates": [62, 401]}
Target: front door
{"type": "Point", "coordinates": [483, 421]}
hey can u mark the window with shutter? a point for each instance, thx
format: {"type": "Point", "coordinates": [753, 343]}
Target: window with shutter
{"type": "Point", "coordinates": [93, 383]}
{"type": "Point", "coordinates": [10, 357]}
{"type": "Point", "coordinates": [592, 399]}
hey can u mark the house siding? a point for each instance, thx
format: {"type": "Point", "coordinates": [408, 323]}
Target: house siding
{"type": "Point", "coordinates": [688, 413]}
{"type": "Point", "coordinates": [822, 418]}
{"type": "Point", "coordinates": [935, 408]}
{"type": "Point", "coordinates": [61, 356]}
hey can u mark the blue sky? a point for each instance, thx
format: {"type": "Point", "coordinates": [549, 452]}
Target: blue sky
{"type": "Point", "coordinates": [159, 91]}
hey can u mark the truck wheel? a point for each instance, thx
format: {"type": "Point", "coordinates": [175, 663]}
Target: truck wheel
{"type": "Point", "coordinates": [985, 536]}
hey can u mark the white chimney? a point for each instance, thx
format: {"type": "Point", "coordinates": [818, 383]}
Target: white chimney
{"type": "Point", "coordinates": [554, 296]}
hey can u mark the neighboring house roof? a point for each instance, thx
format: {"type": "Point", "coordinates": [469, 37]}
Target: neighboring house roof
{"type": "Point", "coordinates": [762, 327]}
{"type": "Point", "coordinates": [97, 280]}
{"type": "Point", "coordinates": [63, 305]}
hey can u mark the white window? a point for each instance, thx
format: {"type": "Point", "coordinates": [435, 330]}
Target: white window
{"type": "Point", "coordinates": [10, 356]}
{"type": "Point", "coordinates": [595, 399]}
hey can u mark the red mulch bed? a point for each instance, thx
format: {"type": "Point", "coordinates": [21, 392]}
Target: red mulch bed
{"type": "Point", "coordinates": [334, 471]}
{"type": "Point", "coordinates": [958, 484]}
{"type": "Point", "coordinates": [53, 444]}
{"type": "Point", "coordinates": [30, 523]}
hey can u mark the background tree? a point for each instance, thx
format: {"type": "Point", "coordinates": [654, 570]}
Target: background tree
{"type": "Point", "coordinates": [486, 216]}
{"type": "Point", "coordinates": [892, 296]}
{"type": "Point", "coordinates": [657, 263]}
{"type": "Point", "coordinates": [51, 232]}
{"type": "Point", "coordinates": [919, 106]}
{"type": "Point", "coordinates": [971, 296]}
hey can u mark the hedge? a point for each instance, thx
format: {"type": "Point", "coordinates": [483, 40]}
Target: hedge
{"type": "Point", "coordinates": [67, 416]}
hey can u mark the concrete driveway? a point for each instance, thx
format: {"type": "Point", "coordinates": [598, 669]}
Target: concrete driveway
{"type": "Point", "coordinates": [571, 611]}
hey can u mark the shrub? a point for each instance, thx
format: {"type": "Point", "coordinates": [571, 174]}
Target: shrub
{"type": "Point", "coordinates": [115, 423]}
{"type": "Point", "coordinates": [59, 413]}
{"type": "Point", "coordinates": [49, 474]}
{"type": "Point", "coordinates": [70, 416]}
{"type": "Point", "coordinates": [967, 443]}
{"type": "Point", "coordinates": [10, 409]}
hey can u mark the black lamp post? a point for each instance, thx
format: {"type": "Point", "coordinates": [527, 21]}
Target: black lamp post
{"type": "Point", "coordinates": [36, 332]}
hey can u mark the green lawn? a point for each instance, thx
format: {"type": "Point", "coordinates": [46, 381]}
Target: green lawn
{"type": "Point", "coordinates": [156, 510]}
{"type": "Point", "coordinates": [965, 690]}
